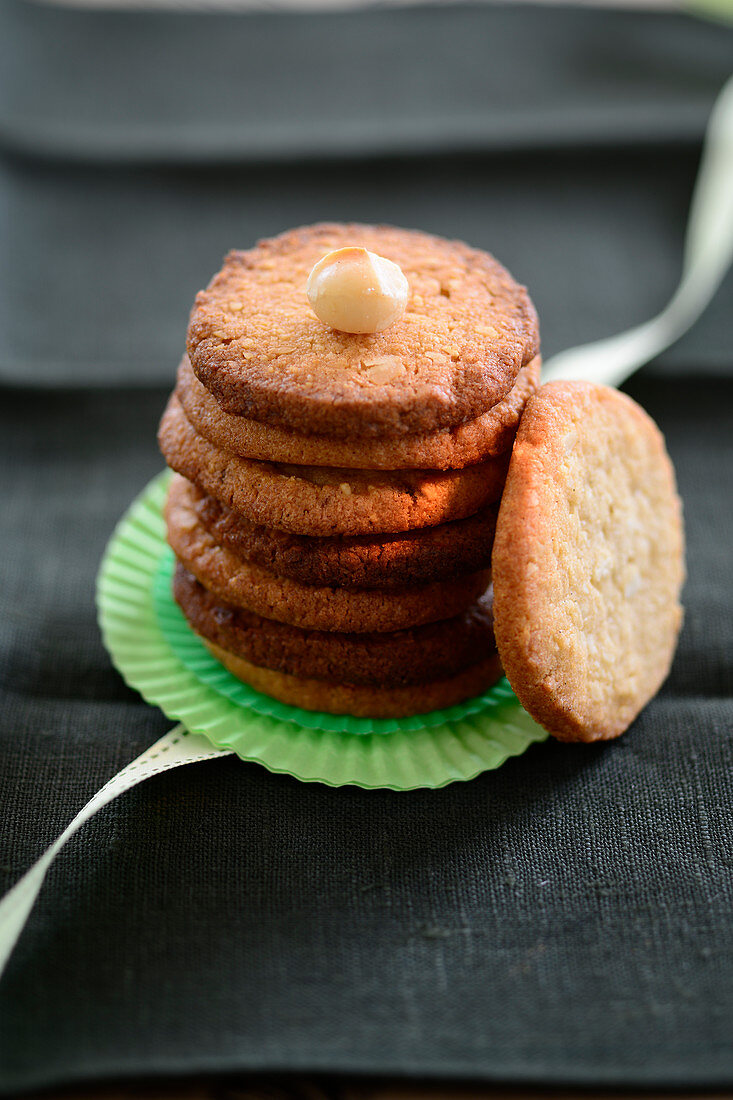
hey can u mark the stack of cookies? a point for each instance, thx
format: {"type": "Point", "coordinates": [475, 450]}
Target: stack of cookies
{"type": "Point", "coordinates": [340, 461]}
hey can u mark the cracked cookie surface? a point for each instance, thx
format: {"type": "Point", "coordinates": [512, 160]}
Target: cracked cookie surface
{"type": "Point", "coordinates": [396, 659]}
{"type": "Point", "coordinates": [359, 700]}
{"type": "Point", "coordinates": [322, 501]}
{"type": "Point", "coordinates": [450, 448]}
{"type": "Point", "coordinates": [247, 585]}
{"type": "Point", "coordinates": [255, 343]}
{"type": "Point", "coordinates": [363, 561]}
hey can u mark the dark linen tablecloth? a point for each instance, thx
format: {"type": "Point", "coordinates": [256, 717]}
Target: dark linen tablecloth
{"type": "Point", "coordinates": [566, 919]}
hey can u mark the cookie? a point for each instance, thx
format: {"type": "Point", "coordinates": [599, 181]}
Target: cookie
{"type": "Point", "coordinates": [447, 449]}
{"type": "Point", "coordinates": [256, 344]}
{"type": "Point", "coordinates": [588, 561]}
{"type": "Point", "coordinates": [360, 701]}
{"type": "Point", "coordinates": [436, 651]}
{"type": "Point", "coordinates": [249, 586]}
{"type": "Point", "coordinates": [319, 500]}
{"type": "Point", "coordinates": [363, 561]}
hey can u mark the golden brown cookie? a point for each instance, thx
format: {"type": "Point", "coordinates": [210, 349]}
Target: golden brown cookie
{"type": "Point", "coordinates": [447, 449]}
{"type": "Point", "coordinates": [256, 344]}
{"type": "Point", "coordinates": [588, 561]}
{"type": "Point", "coordinates": [436, 651]}
{"type": "Point", "coordinates": [360, 701]}
{"type": "Point", "coordinates": [249, 586]}
{"type": "Point", "coordinates": [320, 501]}
{"type": "Point", "coordinates": [363, 561]}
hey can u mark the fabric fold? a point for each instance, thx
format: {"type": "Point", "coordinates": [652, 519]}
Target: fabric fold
{"type": "Point", "coordinates": [135, 87]}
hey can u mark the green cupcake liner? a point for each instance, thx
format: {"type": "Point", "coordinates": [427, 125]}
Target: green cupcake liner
{"type": "Point", "coordinates": [190, 649]}
{"type": "Point", "coordinates": [157, 653]}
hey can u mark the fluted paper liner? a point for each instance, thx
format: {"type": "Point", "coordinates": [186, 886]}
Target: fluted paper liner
{"type": "Point", "coordinates": [157, 653]}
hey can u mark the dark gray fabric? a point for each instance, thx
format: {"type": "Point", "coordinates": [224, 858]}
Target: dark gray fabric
{"type": "Point", "coordinates": [123, 86]}
{"type": "Point", "coordinates": [584, 136]}
{"type": "Point", "coordinates": [598, 238]}
{"type": "Point", "coordinates": [566, 919]}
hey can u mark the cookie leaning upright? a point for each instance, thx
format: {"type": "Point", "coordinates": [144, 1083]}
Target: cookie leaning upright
{"type": "Point", "coordinates": [588, 561]}
{"type": "Point", "coordinates": [256, 345]}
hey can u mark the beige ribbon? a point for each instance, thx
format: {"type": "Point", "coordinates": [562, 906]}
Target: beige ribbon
{"type": "Point", "coordinates": [707, 257]}
{"type": "Point", "coordinates": [177, 747]}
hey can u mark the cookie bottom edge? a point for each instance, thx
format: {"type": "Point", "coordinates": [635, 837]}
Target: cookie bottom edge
{"type": "Point", "coordinates": [359, 701]}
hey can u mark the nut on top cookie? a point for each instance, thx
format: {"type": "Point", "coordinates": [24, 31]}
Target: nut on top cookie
{"type": "Point", "coordinates": [446, 332]}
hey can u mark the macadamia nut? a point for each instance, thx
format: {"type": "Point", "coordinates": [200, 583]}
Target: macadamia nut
{"type": "Point", "coordinates": [355, 290]}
